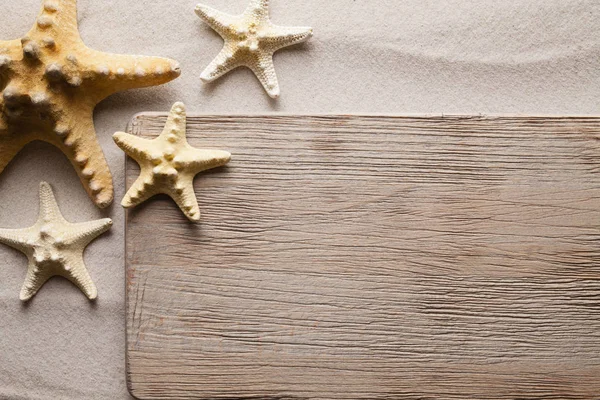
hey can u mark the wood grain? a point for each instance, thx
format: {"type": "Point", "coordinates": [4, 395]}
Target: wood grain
{"type": "Point", "coordinates": [348, 257]}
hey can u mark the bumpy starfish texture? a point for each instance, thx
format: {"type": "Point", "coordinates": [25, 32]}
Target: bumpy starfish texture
{"type": "Point", "coordinates": [55, 246]}
{"type": "Point", "coordinates": [51, 82]}
{"type": "Point", "coordinates": [250, 40]}
{"type": "Point", "coordinates": [168, 164]}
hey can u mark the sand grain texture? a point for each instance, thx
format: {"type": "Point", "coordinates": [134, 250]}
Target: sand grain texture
{"type": "Point", "coordinates": [386, 56]}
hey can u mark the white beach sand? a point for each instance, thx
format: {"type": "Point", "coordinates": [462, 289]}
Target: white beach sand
{"type": "Point", "coordinates": [367, 56]}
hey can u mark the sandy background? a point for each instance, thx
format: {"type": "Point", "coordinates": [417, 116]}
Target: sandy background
{"type": "Point", "coordinates": [367, 56]}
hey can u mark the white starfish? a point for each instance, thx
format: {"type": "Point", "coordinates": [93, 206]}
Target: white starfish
{"type": "Point", "coordinates": [55, 246]}
{"type": "Point", "coordinates": [250, 40]}
{"type": "Point", "coordinates": [168, 164]}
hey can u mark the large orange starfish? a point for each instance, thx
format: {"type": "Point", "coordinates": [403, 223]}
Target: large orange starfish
{"type": "Point", "coordinates": [51, 82]}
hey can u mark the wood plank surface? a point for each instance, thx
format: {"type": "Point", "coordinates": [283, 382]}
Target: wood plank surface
{"type": "Point", "coordinates": [348, 257]}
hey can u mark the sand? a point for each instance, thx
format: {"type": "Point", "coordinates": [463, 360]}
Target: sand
{"type": "Point", "coordinates": [367, 56]}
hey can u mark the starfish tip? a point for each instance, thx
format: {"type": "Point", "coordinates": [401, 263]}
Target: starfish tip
{"type": "Point", "coordinates": [45, 185]}
{"type": "Point", "coordinates": [92, 295]}
{"type": "Point", "coordinates": [274, 93]}
{"type": "Point", "coordinates": [103, 200]}
{"type": "Point", "coordinates": [226, 157]}
{"type": "Point", "coordinates": [176, 68]}
{"type": "Point", "coordinates": [178, 108]}
{"type": "Point", "coordinates": [25, 296]}
{"type": "Point", "coordinates": [206, 77]}
{"type": "Point", "coordinates": [193, 216]}
{"type": "Point", "coordinates": [119, 138]}
{"type": "Point", "coordinates": [200, 10]}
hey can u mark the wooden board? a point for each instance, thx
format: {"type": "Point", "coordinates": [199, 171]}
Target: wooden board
{"type": "Point", "coordinates": [346, 257]}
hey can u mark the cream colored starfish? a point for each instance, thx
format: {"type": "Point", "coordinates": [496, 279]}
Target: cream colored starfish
{"type": "Point", "coordinates": [250, 40]}
{"type": "Point", "coordinates": [50, 84]}
{"type": "Point", "coordinates": [55, 246]}
{"type": "Point", "coordinates": [168, 164]}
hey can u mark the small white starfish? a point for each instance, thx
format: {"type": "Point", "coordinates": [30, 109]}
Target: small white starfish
{"type": "Point", "coordinates": [55, 246]}
{"type": "Point", "coordinates": [250, 40]}
{"type": "Point", "coordinates": [168, 164]}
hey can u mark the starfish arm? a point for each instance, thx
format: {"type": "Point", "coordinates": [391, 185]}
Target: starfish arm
{"type": "Point", "coordinates": [34, 280]}
{"type": "Point", "coordinates": [134, 146]}
{"type": "Point", "coordinates": [183, 194]}
{"type": "Point", "coordinates": [284, 36]}
{"type": "Point", "coordinates": [198, 160]}
{"type": "Point", "coordinates": [264, 69]}
{"type": "Point", "coordinates": [258, 9]}
{"type": "Point", "coordinates": [219, 21]}
{"type": "Point", "coordinates": [107, 73]}
{"type": "Point", "coordinates": [175, 127]}
{"type": "Point", "coordinates": [82, 234]}
{"type": "Point", "coordinates": [49, 210]}
{"type": "Point", "coordinates": [80, 144]}
{"type": "Point", "coordinates": [222, 64]}
{"type": "Point", "coordinates": [79, 275]}
{"type": "Point", "coordinates": [141, 190]}
{"type": "Point", "coordinates": [57, 19]}
{"type": "Point", "coordinates": [17, 238]}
